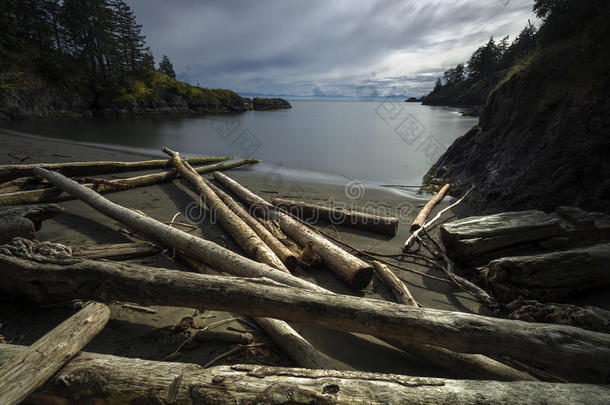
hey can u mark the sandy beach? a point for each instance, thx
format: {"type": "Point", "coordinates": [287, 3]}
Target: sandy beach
{"type": "Point", "coordinates": [134, 333]}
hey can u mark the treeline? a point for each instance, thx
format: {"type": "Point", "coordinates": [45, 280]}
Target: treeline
{"type": "Point", "coordinates": [469, 84]}
{"type": "Point", "coordinates": [100, 38]}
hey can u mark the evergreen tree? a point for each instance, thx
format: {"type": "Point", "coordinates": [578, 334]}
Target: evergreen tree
{"type": "Point", "coordinates": [131, 42]}
{"type": "Point", "coordinates": [166, 67]}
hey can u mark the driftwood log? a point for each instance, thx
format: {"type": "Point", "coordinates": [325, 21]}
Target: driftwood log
{"type": "Point", "coordinates": [549, 276]}
{"type": "Point", "coordinates": [54, 194]}
{"type": "Point", "coordinates": [398, 288]}
{"type": "Point", "coordinates": [8, 172]}
{"type": "Point", "coordinates": [118, 251]}
{"type": "Point", "coordinates": [102, 378]}
{"type": "Point", "coordinates": [283, 335]}
{"type": "Point", "coordinates": [589, 317]}
{"type": "Point", "coordinates": [467, 365]}
{"type": "Point", "coordinates": [198, 248]}
{"type": "Point", "coordinates": [339, 216]}
{"type": "Point", "coordinates": [351, 270]}
{"type": "Point", "coordinates": [24, 221]}
{"type": "Point", "coordinates": [420, 219]}
{"type": "Point", "coordinates": [30, 367]}
{"type": "Point", "coordinates": [579, 354]}
{"type": "Point", "coordinates": [288, 257]}
{"type": "Point", "coordinates": [245, 237]}
{"type": "Point", "coordinates": [477, 240]}
{"type": "Point", "coordinates": [297, 347]}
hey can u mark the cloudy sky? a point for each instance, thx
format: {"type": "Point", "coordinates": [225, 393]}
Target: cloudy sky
{"type": "Point", "coordinates": [323, 47]}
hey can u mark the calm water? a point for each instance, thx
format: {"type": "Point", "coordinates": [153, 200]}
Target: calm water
{"type": "Point", "coordinates": [368, 141]}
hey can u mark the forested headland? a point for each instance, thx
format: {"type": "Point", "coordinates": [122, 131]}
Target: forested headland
{"type": "Point", "coordinates": [542, 137]}
{"type": "Point", "coordinates": [468, 85]}
{"type": "Point", "coordinates": [63, 58]}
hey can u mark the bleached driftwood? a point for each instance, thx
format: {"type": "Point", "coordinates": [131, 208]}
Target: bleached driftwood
{"type": "Point", "coordinates": [54, 194]}
{"type": "Point", "coordinates": [580, 354]}
{"type": "Point", "coordinates": [351, 270]}
{"type": "Point", "coordinates": [102, 378]}
{"type": "Point", "coordinates": [8, 172]}
{"type": "Point", "coordinates": [23, 373]}
{"type": "Point", "coordinates": [477, 240]}
{"type": "Point", "coordinates": [243, 234]}
{"type": "Point", "coordinates": [420, 219]}
{"type": "Point", "coordinates": [549, 276]}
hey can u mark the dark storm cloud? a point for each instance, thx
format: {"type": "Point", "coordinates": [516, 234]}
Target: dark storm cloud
{"type": "Point", "coordinates": [322, 47]}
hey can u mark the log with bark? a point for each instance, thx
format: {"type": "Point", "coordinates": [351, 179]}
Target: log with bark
{"type": "Point", "coordinates": [339, 216]}
{"type": "Point", "coordinates": [24, 221]}
{"type": "Point", "coordinates": [9, 172]}
{"type": "Point", "coordinates": [588, 317]}
{"type": "Point", "coordinates": [198, 248]}
{"type": "Point", "coordinates": [54, 194]}
{"type": "Point", "coordinates": [420, 219]}
{"type": "Point", "coordinates": [28, 369]}
{"type": "Point", "coordinates": [243, 234]}
{"type": "Point", "coordinates": [549, 276]}
{"type": "Point", "coordinates": [102, 378]}
{"type": "Point", "coordinates": [477, 240]}
{"type": "Point", "coordinates": [577, 354]}
{"type": "Point", "coordinates": [354, 272]}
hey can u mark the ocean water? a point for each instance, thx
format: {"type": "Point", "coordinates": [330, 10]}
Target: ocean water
{"type": "Point", "coordinates": [373, 142]}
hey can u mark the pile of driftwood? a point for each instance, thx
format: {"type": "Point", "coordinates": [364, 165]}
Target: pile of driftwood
{"type": "Point", "coordinates": [508, 361]}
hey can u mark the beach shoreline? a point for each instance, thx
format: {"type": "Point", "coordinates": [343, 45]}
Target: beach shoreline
{"type": "Point", "coordinates": [81, 225]}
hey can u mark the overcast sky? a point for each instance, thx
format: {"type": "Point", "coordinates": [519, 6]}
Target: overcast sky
{"type": "Point", "coordinates": [323, 47]}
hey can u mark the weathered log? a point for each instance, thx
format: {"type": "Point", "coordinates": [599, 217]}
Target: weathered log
{"type": "Point", "coordinates": [588, 317]}
{"type": "Point", "coordinates": [245, 237]}
{"type": "Point", "coordinates": [579, 354]}
{"type": "Point", "coordinates": [102, 378]}
{"type": "Point", "coordinates": [398, 288]}
{"type": "Point", "coordinates": [467, 365]}
{"type": "Point", "coordinates": [351, 270]}
{"type": "Point", "coordinates": [8, 172]}
{"type": "Point", "coordinates": [285, 254]}
{"type": "Point", "coordinates": [297, 347]}
{"type": "Point", "coordinates": [24, 221]}
{"type": "Point", "coordinates": [429, 223]}
{"type": "Point", "coordinates": [119, 251]}
{"type": "Point", "coordinates": [201, 249]}
{"type": "Point", "coordinates": [300, 351]}
{"type": "Point", "coordinates": [477, 240]}
{"type": "Point", "coordinates": [23, 373]}
{"type": "Point", "coordinates": [54, 194]}
{"type": "Point", "coordinates": [549, 276]}
{"type": "Point", "coordinates": [339, 216]}
{"type": "Point", "coordinates": [420, 219]}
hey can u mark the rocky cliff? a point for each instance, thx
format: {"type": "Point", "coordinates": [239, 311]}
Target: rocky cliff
{"type": "Point", "coordinates": [543, 137]}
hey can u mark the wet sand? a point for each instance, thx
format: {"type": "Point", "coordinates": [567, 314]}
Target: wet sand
{"type": "Point", "coordinates": [133, 333]}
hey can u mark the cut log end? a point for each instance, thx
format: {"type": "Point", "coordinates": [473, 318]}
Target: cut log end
{"type": "Point", "coordinates": [362, 277]}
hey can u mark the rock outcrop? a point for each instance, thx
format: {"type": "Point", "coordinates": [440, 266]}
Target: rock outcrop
{"type": "Point", "coordinates": [260, 103]}
{"type": "Point", "coordinates": [29, 96]}
{"type": "Point", "coordinates": [542, 140]}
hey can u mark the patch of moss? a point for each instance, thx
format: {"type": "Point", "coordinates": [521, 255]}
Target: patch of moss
{"type": "Point", "coordinates": [431, 183]}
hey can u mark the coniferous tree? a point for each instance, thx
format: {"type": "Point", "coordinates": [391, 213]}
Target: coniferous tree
{"type": "Point", "coordinates": [165, 66]}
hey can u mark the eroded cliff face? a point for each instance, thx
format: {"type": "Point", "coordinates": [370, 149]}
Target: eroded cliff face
{"type": "Point", "coordinates": [543, 139]}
